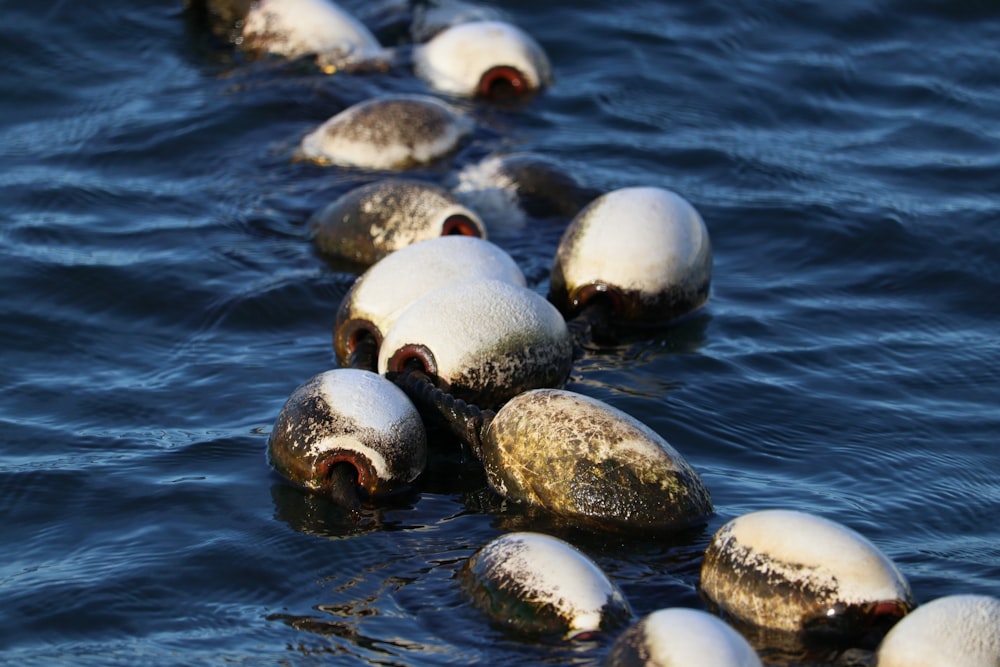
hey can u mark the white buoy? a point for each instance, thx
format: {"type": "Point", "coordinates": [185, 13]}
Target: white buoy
{"type": "Point", "coordinates": [681, 637]}
{"type": "Point", "coordinates": [484, 341]}
{"type": "Point", "coordinates": [489, 59]}
{"type": "Point", "coordinates": [956, 630]}
{"type": "Point", "coordinates": [506, 189]}
{"type": "Point", "coordinates": [354, 418]}
{"type": "Point", "coordinates": [645, 248]}
{"type": "Point", "coordinates": [374, 220]}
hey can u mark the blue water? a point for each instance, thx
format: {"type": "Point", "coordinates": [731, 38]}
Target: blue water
{"type": "Point", "coordinates": [161, 300]}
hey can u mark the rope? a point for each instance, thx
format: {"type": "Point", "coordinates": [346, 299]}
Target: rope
{"type": "Point", "coordinates": [466, 420]}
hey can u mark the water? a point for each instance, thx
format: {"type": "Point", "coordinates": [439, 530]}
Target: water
{"type": "Point", "coordinates": [161, 300]}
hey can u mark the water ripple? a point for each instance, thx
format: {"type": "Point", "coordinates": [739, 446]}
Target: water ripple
{"type": "Point", "coordinates": [162, 300]}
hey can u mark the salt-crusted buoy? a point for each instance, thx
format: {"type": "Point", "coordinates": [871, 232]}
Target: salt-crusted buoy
{"type": "Point", "coordinates": [293, 28]}
{"type": "Point", "coordinates": [642, 253]}
{"type": "Point", "coordinates": [591, 463]}
{"type": "Point", "coordinates": [506, 189]}
{"type": "Point", "coordinates": [803, 574]}
{"type": "Point", "coordinates": [536, 585]}
{"type": "Point", "coordinates": [483, 341]}
{"type": "Point", "coordinates": [371, 221]}
{"type": "Point", "coordinates": [345, 432]}
{"type": "Point", "coordinates": [396, 132]}
{"type": "Point", "coordinates": [956, 630]}
{"type": "Point", "coordinates": [489, 59]}
{"type": "Point", "coordinates": [681, 637]}
{"type": "Point", "coordinates": [389, 286]}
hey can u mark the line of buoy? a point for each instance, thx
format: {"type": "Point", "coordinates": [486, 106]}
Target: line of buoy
{"type": "Point", "coordinates": [470, 343]}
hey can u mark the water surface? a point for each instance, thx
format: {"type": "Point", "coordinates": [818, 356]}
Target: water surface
{"type": "Point", "coordinates": [161, 300]}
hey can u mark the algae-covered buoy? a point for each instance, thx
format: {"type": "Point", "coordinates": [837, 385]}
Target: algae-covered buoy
{"type": "Point", "coordinates": [574, 458]}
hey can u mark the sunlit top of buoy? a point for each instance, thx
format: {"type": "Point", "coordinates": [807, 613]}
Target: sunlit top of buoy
{"type": "Point", "coordinates": [293, 28]}
{"type": "Point", "coordinates": [393, 132]}
{"type": "Point", "coordinates": [956, 630]}
{"type": "Point", "coordinates": [489, 59]}
{"type": "Point", "coordinates": [678, 636]}
{"type": "Point", "coordinates": [388, 287]}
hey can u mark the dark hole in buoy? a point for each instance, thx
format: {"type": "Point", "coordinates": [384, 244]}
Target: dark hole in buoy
{"type": "Point", "coordinates": [362, 337]}
{"type": "Point", "coordinates": [503, 82]}
{"type": "Point", "coordinates": [363, 341]}
{"type": "Point", "coordinates": [413, 357]}
{"type": "Point", "coordinates": [597, 296]}
{"type": "Point", "coordinates": [460, 224]}
{"type": "Point", "coordinates": [592, 311]}
{"type": "Point", "coordinates": [344, 471]}
{"type": "Point", "coordinates": [344, 482]}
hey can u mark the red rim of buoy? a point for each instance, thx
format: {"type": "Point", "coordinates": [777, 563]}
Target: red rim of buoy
{"type": "Point", "coordinates": [460, 224]}
{"type": "Point", "coordinates": [503, 80]}
{"type": "Point", "coordinates": [356, 330]}
{"type": "Point", "coordinates": [367, 478]}
{"type": "Point", "coordinates": [413, 356]}
{"type": "Point", "coordinates": [887, 609]}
